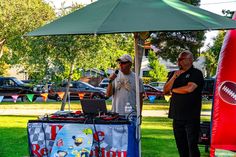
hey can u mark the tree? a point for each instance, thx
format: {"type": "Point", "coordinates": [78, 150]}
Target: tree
{"type": "Point", "coordinates": [86, 52]}
{"type": "Point", "coordinates": [3, 65]}
{"type": "Point", "coordinates": [16, 18]}
{"type": "Point", "coordinates": [55, 56]}
{"type": "Point", "coordinates": [3, 68]}
{"type": "Point", "coordinates": [91, 51]}
{"type": "Point", "coordinates": [212, 54]}
{"type": "Point", "coordinates": [82, 51]}
{"type": "Point", "coordinates": [158, 71]}
{"type": "Point", "coordinates": [111, 47]}
{"type": "Point", "coordinates": [170, 44]}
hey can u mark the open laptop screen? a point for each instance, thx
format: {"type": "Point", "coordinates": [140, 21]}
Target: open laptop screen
{"type": "Point", "coordinates": [93, 106]}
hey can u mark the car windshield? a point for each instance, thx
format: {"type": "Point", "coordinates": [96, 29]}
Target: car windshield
{"type": "Point", "coordinates": [19, 82]}
{"type": "Point", "coordinates": [105, 81]}
{"type": "Point", "coordinates": [89, 85]}
{"type": "Point", "coordinates": [157, 84]}
{"type": "Point", "coordinates": [161, 84]}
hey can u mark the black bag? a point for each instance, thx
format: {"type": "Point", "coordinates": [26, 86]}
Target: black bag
{"type": "Point", "coordinates": [204, 135]}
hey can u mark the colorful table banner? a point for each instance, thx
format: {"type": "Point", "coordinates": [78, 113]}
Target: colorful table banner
{"type": "Point", "coordinates": [72, 141]}
{"type": "Point", "coordinates": [52, 139]}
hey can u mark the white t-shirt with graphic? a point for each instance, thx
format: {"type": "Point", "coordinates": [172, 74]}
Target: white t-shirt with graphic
{"type": "Point", "coordinates": [124, 90]}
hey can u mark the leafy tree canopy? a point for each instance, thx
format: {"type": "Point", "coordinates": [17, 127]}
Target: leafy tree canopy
{"type": "Point", "coordinates": [58, 53]}
{"type": "Point", "coordinates": [170, 44]}
{"type": "Point", "coordinates": [212, 54]}
{"type": "Point", "coordinates": [158, 71]}
{"type": "Point", "coordinates": [18, 17]}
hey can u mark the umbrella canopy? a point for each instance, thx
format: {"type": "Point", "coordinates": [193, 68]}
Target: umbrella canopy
{"type": "Point", "coordinates": [125, 16]}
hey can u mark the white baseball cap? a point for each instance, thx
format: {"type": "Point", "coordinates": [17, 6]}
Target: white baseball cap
{"type": "Point", "coordinates": [125, 58]}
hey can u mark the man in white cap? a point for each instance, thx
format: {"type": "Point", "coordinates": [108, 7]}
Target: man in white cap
{"type": "Point", "coordinates": [122, 86]}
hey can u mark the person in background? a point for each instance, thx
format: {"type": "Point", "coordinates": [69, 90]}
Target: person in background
{"type": "Point", "coordinates": [122, 86]}
{"type": "Point", "coordinates": [185, 86]}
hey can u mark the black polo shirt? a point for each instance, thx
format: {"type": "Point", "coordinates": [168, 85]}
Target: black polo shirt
{"type": "Point", "coordinates": [187, 106]}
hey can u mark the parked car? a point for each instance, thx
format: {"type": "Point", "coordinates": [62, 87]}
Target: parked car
{"type": "Point", "coordinates": [158, 85]}
{"type": "Point", "coordinates": [208, 88]}
{"type": "Point", "coordinates": [40, 86]}
{"type": "Point", "coordinates": [150, 90]}
{"type": "Point", "coordinates": [104, 83]}
{"type": "Point", "coordinates": [12, 86]}
{"type": "Point", "coordinates": [28, 81]}
{"type": "Point", "coordinates": [75, 88]}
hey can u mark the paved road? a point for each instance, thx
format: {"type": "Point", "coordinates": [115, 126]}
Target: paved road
{"type": "Point", "coordinates": [146, 113]}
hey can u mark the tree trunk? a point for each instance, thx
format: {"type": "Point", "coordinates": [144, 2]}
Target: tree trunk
{"type": "Point", "coordinates": [1, 47]}
{"type": "Point", "coordinates": [67, 87]}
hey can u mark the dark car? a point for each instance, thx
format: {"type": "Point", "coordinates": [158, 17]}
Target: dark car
{"type": "Point", "coordinates": [39, 87]}
{"type": "Point", "coordinates": [12, 86]}
{"type": "Point", "coordinates": [28, 81]}
{"type": "Point", "coordinates": [150, 90]}
{"type": "Point", "coordinates": [76, 87]}
{"type": "Point", "coordinates": [208, 88]}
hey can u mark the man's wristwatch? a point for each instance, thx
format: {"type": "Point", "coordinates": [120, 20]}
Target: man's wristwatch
{"type": "Point", "coordinates": [110, 81]}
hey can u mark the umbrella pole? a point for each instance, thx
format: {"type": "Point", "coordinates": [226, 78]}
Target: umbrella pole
{"type": "Point", "coordinates": [138, 132]}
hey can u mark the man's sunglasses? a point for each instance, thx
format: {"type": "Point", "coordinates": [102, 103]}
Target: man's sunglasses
{"type": "Point", "coordinates": [180, 59]}
{"type": "Point", "coordinates": [123, 62]}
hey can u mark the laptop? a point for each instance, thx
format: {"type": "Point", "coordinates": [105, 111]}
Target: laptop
{"type": "Point", "coordinates": [93, 106]}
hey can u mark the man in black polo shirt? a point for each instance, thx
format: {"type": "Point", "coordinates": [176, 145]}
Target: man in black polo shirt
{"type": "Point", "coordinates": [185, 86]}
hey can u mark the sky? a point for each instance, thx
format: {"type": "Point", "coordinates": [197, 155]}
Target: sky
{"type": "Point", "coordinates": [215, 6]}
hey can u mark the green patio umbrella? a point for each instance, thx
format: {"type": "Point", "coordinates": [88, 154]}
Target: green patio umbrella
{"type": "Point", "coordinates": [128, 16]}
{"type": "Point", "coordinates": [125, 16]}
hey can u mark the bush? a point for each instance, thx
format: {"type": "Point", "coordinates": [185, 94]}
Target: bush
{"type": "Point", "coordinates": [146, 80]}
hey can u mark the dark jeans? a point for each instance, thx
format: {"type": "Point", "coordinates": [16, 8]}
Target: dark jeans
{"type": "Point", "coordinates": [186, 134]}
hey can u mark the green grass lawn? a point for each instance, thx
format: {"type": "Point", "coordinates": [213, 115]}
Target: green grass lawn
{"type": "Point", "coordinates": [157, 137]}
{"type": "Point", "coordinates": [13, 136]}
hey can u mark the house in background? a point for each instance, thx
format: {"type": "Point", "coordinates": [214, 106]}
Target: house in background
{"type": "Point", "coordinates": [18, 72]}
{"type": "Point", "coordinates": [145, 66]}
{"type": "Point", "coordinates": [92, 76]}
{"type": "Point", "coordinates": [199, 63]}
